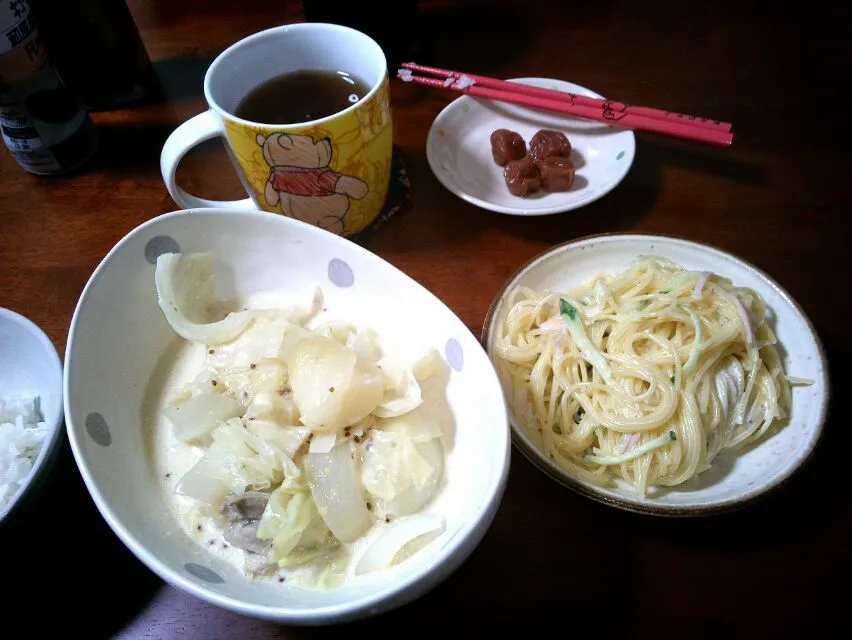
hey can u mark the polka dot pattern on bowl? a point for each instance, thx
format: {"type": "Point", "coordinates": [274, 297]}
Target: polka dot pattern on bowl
{"type": "Point", "coordinates": [98, 429]}
{"type": "Point", "coordinates": [340, 273]}
{"type": "Point", "coordinates": [158, 245]}
{"type": "Point", "coordinates": [203, 573]}
{"type": "Point", "coordinates": [455, 355]}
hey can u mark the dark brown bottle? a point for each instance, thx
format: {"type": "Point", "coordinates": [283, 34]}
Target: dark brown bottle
{"type": "Point", "coordinates": [98, 51]}
{"type": "Point", "coordinates": [42, 125]}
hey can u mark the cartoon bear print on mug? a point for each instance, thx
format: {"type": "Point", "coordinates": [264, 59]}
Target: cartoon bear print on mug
{"type": "Point", "coordinates": [301, 183]}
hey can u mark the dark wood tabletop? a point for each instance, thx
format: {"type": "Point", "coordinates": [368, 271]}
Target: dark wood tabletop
{"type": "Point", "coordinates": [779, 198]}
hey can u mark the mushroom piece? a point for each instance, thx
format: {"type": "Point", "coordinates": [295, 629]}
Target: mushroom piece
{"type": "Point", "coordinates": [242, 514]}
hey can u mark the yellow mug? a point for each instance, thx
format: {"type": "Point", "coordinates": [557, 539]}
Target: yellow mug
{"type": "Point", "coordinates": [332, 172]}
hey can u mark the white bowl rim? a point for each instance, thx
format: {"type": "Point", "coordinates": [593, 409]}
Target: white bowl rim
{"type": "Point", "coordinates": [532, 454]}
{"type": "Point", "coordinates": [399, 594]}
{"type": "Point", "coordinates": [519, 210]}
{"type": "Point", "coordinates": [55, 421]}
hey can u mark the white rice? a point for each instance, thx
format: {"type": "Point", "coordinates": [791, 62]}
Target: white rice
{"type": "Point", "coordinates": [22, 434]}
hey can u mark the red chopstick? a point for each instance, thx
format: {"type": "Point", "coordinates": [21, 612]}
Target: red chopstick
{"type": "Point", "coordinates": [613, 113]}
{"type": "Point", "coordinates": [574, 98]}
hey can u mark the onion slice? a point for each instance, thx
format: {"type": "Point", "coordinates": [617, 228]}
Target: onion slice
{"type": "Point", "coordinates": [337, 491]}
{"type": "Point", "coordinates": [185, 293]}
{"type": "Point", "coordinates": [699, 285]}
{"type": "Point", "coordinates": [553, 323]}
{"type": "Point", "coordinates": [301, 316]}
{"type": "Point", "coordinates": [398, 401]}
{"type": "Point", "coordinates": [628, 441]}
{"type": "Point", "coordinates": [381, 553]}
{"type": "Point", "coordinates": [749, 331]}
{"type": "Point", "coordinates": [322, 442]}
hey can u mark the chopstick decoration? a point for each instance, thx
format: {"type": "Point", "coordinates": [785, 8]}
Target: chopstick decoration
{"type": "Point", "coordinates": [618, 114]}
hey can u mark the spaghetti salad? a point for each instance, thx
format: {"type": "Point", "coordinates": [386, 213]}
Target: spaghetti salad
{"type": "Point", "coordinates": [645, 375]}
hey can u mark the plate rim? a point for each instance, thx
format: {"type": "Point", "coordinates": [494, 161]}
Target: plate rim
{"type": "Point", "coordinates": [518, 211]}
{"type": "Point", "coordinates": [674, 511]}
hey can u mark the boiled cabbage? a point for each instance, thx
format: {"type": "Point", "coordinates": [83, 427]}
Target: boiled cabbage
{"type": "Point", "coordinates": [273, 407]}
{"type": "Point", "coordinates": [287, 438]}
{"type": "Point", "coordinates": [193, 418]}
{"type": "Point", "coordinates": [236, 462]}
{"type": "Point", "coordinates": [271, 336]}
{"type": "Point", "coordinates": [365, 343]}
{"type": "Point", "coordinates": [430, 365]}
{"type": "Point", "coordinates": [293, 524]}
{"type": "Point", "coordinates": [403, 462]}
{"type": "Point", "coordinates": [402, 392]}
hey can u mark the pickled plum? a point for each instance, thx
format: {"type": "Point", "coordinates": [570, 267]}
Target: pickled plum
{"type": "Point", "coordinates": [545, 166]}
{"type": "Point", "coordinates": [547, 143]}
{"type": "Point", "coordinates": [522, 177]}
{"type": "Point", "coordinates": [557, 173]}
{"type": "Point", "coordinates": [507, 146]}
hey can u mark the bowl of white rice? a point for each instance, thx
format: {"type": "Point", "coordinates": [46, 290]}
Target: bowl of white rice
{"type": "Point", "coordinates": [30, 408]}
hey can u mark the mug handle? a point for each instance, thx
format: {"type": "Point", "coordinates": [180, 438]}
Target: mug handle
{"type": "Point", "coordinates": [205, 126]}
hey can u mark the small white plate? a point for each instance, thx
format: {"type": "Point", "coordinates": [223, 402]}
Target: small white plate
{"type": "Point", "coordinates": [458, 148]}
{"type": "Point", "coordinates": [735, 478]}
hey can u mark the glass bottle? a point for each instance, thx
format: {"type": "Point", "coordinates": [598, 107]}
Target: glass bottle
{"type": "Point", "coordinates": [43, 127]}
{"type": "Point", "coordinates": [98, 51]}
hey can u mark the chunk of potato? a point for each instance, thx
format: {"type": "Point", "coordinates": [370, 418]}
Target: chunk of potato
{"type": "Point", "coordinates": [332, 387]}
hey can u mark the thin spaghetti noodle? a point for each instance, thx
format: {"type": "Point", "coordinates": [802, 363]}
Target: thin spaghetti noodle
{"type": "Point", "coordinates": [646, 375]}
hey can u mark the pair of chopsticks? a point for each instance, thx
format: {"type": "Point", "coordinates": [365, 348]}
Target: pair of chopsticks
{"type": "Point", "coordinates": [617, 114]}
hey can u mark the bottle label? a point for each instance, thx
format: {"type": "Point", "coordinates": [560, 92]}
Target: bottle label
{"type": "Point", "coordinates": [21, 137]}
{"type": "Point", "coordinates": [36, 112]}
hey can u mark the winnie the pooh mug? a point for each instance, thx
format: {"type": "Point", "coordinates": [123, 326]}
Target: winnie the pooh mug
{"type": "Point", "coordinates": [332, 172]}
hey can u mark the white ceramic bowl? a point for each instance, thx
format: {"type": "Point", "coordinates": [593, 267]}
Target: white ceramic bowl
{"type": "Point", "coordinates": [30, 367]}
{"type": "Point", "coordinates": [736, 478]}
{"type": "Point", "coordinates": [118, 336]}
{"type": "Point", "coordinates": [458, 149]}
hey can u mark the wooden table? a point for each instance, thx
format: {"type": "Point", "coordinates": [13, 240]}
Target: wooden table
{"type": "Point", "coordinates": [778, 198]}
